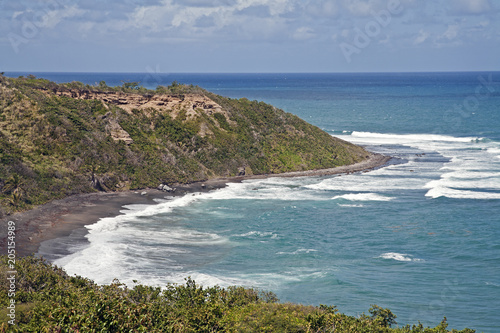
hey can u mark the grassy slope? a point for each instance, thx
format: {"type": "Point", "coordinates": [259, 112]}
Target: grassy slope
{"type": "Point", "coordinates": [48, 300]}
{"type": "Point", "coordinates": [52, 146]}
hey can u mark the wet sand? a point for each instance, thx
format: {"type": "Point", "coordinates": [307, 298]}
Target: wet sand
{"type": "Point", "coordinates": [59, 218]}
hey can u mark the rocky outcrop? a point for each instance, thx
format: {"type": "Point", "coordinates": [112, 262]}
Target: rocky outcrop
{"type": "Point", "coordinates": [165, 188]}
{"type": "Point", "coordinates": [117, 132]}
{"type": "Point", "coordinates": [189, 105]}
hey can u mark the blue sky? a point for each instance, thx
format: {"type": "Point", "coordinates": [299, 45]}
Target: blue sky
{"type": "Point", "coordinates": [249, 35]}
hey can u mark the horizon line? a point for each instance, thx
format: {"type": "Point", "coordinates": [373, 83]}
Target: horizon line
{"type": "Point", "coordinates": [314, 72]}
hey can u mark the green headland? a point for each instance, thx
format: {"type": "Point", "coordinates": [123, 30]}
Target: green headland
{"type": "Point", "coordinates": [62, 139]}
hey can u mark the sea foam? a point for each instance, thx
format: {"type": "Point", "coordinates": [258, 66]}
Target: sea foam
{"type": "Point", "coordinates": [363, 197]}
{"type": "Point", "coordinates": [470, 173]}
{"type": "Point", "coordinates": [398, 256]}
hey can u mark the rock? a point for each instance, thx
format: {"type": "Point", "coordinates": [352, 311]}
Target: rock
{"type": "Point", "coordinates": [166, 188]}
{"type": "Point", "coordinates": [96, 183]}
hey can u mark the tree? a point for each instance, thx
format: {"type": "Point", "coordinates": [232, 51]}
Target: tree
{"type": "Point", "coordinates": [383, 316]}
{"type": "Point", "coordinates": [103, 85]}
{"type": "Point", "coordinates": [130, 85]}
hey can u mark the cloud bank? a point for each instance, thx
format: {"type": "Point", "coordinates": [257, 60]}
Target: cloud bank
{"type": "Point", "coordinates": [309, 28]}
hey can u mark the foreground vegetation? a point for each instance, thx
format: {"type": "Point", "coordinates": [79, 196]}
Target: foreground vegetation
{"type": "Point", "coordinates": [62, 139]}
{"type": "Point", "coordinates": [48, 300]}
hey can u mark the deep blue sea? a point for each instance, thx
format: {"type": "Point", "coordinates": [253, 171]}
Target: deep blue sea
{"type": "Point", "coordinates": [420, 236]}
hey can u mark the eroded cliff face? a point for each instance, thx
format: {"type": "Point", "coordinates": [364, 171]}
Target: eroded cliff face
{"type": "Point", "coordinates": [129, 102]}
{"type": "Point", "coordinates": [189, 105]}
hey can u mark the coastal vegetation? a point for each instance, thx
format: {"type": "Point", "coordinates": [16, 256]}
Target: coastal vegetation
{"type": "Point", "coordinates": [48, 300]}
{"type": "Point", "coordinates": [62, 139]}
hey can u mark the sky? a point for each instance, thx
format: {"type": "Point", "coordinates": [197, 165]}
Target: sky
{"type": "Point", "coordinates": [254, 36]}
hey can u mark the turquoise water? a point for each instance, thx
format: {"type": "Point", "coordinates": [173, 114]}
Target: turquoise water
{"type": "Point", "coordinates": [420, 236]}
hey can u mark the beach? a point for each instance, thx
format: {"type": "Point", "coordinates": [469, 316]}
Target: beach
{"type": "Point", "coordinates": [59, 218]}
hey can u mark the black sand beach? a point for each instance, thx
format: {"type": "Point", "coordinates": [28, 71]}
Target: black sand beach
{"type": "Point", "coordinates": [60, 217]}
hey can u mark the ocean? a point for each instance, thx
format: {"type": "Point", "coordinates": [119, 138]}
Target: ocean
{"type": "Point", "coordinates": [420, 236]}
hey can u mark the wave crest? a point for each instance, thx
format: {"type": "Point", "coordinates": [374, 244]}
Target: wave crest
{"type": "Point", "coordinates": [363, 197]}
{"type": "Point", "coordinates": [398, 257]}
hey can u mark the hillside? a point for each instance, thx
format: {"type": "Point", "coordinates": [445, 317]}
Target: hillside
{"type": "Point", "coordinates": [62, 139]}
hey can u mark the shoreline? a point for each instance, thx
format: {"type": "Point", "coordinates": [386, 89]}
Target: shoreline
{"type": "Point", "coordinates": [59, 218]}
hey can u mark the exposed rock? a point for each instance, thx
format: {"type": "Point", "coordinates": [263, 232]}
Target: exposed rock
{"type": "Point", "coordinates": [117, 132]}
{"type": "Point", "coordinates": [166, 188]}
{"type": "Point", "coordinates": [191, 104]}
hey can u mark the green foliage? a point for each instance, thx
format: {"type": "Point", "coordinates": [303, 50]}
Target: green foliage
{"type": "Point", "coordinates": [130, 86]}
{"type": "Point", "coordinates": [222, 121]}
{"type": "Point", "coordinates": [48, 300]}
{"type": "Point", "coordinates": [102, 85]}
{"type": "Point", "coordinates": [383, 316]}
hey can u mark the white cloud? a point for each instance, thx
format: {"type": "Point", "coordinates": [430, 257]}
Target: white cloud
{"type": "Point", "coordinates": [322, 8]}
{"type": "Point", "coordinates": [421, 24]}
{"type": "Point", "coordinates": [47, 16]}
{"type": "Point", "coordinates": [54, 17]}
{"type": "Point", "coordinates": [204, 3]}
{"type": "Point", "coordinates": [470, 7]}
{"type": "Point", "coordinates": [303, 33]}
{"type": "Point", "coordinates": [247, 19]}
{"type": "Point", "coordinates": [422, 37]}
{"type": "Point", "coordinates": [276, 7]}
{"type": "Point", "coordinates": [154, 18]}
{"type": "Point", "coordinates": [363, 7]}
{"type": "Point", "coordinates": [451, 32]}
{"type": "Point", "coordinates": [358, 7]}
{"type": "Point", "coordinates": [451, 37]}
{"type": "Point", "coordinates": [16, 14]}
{"type": "Point", "coordinates": [189, 15]}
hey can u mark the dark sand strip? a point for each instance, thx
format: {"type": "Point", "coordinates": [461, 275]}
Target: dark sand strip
{"type": "Point", "coordinates": [59, 218]}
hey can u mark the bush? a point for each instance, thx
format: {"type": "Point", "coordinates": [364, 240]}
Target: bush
{"type": "Point", "coordinates": [48, 300]}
